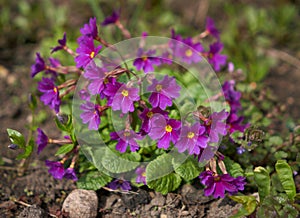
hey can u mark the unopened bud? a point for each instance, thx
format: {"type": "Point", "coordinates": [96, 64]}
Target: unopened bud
{"type": "Point", "coordinates": [62, 118]}
{"type": "Point", "coordinates": [13, 146]}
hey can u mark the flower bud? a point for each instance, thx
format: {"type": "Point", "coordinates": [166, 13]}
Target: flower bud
{"type": "Point", "coordinates": [13, 146]}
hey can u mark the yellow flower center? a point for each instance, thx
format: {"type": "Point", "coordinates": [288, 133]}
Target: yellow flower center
{"type": "Point", "coordinates": [190, 135]}
{"type": "Point", "coordinates": [126, 133]}
{"type": "Point", "coordinates": [158, 88]}
{"type": "Point", "coordinates": [92, 55]}
{"type": "Point", "coordinates": [189, 53]}
{"type": "Point", "coordinates": [149, 114]}
{"type": "Point", "coordinates": [105, 81]}
{"type": "Point", "coordinates": [168, 128]}
{"type": "Point", "coordinates": [125, 93]}
{"type": "Point", "coordinates": [55, 89]}
{"type": "Point", "coordinates": [217, 178]}
{"type": "Point", "coordinates": [144, 174]}
{"type": "Point", "coordinates": [145, 58]}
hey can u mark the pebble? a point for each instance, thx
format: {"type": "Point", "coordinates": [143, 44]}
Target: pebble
{"type": "Point", "coordinates": [81, 204]}
{"type": "Point", "coordinates": [158, 200]}
{"type": "Point", "coordinates": [33, 211]}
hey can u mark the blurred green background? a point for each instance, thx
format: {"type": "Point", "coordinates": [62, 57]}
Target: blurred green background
{"type": "Point", "coordinates": [250, 29]}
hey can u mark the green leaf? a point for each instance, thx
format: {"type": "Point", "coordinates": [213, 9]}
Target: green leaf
{"type": "Point", "coordinates": [233, 168]}
{"type": "Point", "coordinates": [120, 163]}
{"type": "Point", "coordinates": [249, 205]}
{"type": "Point", "coordinates": [16, 138]}
{"type": "Point", "coordinates": [159, 167]}
{"type": "Point", "coordinates": [165, 184]}
{"type": "Point", "coordinates": [93, 180]}
{"type": "Point", "coordinates": [64, 149]}
{"type": "Point", "coordinates": [262, 180]}
{"type": "Point", "coordinates": [280, 155]}
{"type": "Point", "coordinates": [285, 175]}
{"type": "Point", "coordinates": [28, 150]}
{"type": "Point", "coordinates": [275, 140]}
{"type": "Point", "coordinates": [65, 124]}
{"type": "Point", "coordinates": [187, 170]}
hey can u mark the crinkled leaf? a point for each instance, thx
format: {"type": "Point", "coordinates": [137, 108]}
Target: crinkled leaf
{"type": "Point", "coordinates": [187, 170]}
{"type": "Point", "coordinates": [64, 149]}
{"type": "Point", "coordinates": [280, 155]}
{"type": "Point", "coordinates": [159, 167]}
{"type": "Point", "coordinates": [93, 180]}
{"type": "Point", "coordinates": [120, 163]}
{"type": "Point", "coordinates": [275, 140]}
{"type": "Point", "coordinates": [166, 183]}
{"type": "Point", "coordinates": [233, 168]}
{"type": "Point", "coordinates": [262, 180]}
{"type": "Point", "coordinates": [249, 205]}
{"type": "Point", "coordinates": [285, 175]}
{"type": "Point", "coordinates": [277, 205]}
{"type": "Point", "coordinates": [16, 138]}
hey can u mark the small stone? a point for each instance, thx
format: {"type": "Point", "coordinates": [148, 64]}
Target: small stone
{"type": "Point", "coordinates": [163, 215]}
{"type": "Point", "coordinates": [185, 213]}
{"type": "Point", "coordinates": [81, 204]}
{"type": "Point", "coordinates": [33, 212]}
{"type": "Point", "coordinates": [158, 200]}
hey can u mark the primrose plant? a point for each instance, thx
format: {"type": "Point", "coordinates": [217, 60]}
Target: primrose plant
{"type": "Point", "coordinates": [147, 111]}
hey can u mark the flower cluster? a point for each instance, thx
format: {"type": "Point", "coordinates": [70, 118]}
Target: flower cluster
{"type": "Point", "coordinates": [118, 89]}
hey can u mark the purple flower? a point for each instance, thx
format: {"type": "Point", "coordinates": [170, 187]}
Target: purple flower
{"type": "Point", "coordinates": [84, 95]}
{"type": "Point", "coordinates": [126, 138]}
{"type": "Point", "coordinates": [189, 53]}
{"type": "Point", "coordinates": [86, 52]}
{"type": "Point", "coordinates": [50, 93]}
{"type": "Point", "coordinates": [124, 98]}
{"type": "Point", "coordinates": [96, 77]}
{"type": "Point", "coordinates": [146, 60]}
{"type": "Point", "coordinates": [234, 123]}
{"type": "Point", "coordinates": [239, 183]}
{"type": "Point", "coordinates": [216, 185]}
{"type": "Point", "coordinates": [211, 28]}
{"type": "Point", "coordinates": [90, 29]}
{"type": "Point", "coordinates": [147, 114]}
{"type": "Point", "coordinates": [70, 174]}
{"type": "Point", "coordinates": [119, 184]}
{"type": "Point", "coordinates": [164, 130]}
{"type": "Point", "coordinates": [56, 169]}
{"type": "Point", "coordinates": [91, 115]}
{"type": "Point", "coordinates": [38, 66]}
{"type": "Point", "coordinates": [113, 18]}
{"type": "Point", "coordinates": [231, 96]}
{"type": "Point", "coordinates": [110, 90]}
{"type": "Point", "coordinates": [167, 58]}
{"type": "Point", "coordinates": [240, 150]}
{"type": "Point", "coordinates": [175, 37]}
{"type": "Point", "coordinates": [214, 58]}
{"type": "Point", "coordinates": [62, 44]}
{"type": "Point", "coordinates": [141, 175]}
{"type": "Point", "coordinates": [192, 139]}
{"type": "Point", "coordinates": [216, 125]}
{"type": "Point", "coordinates": [41, 141]}
{"type": "Point", "coordinates": [163, 91]}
